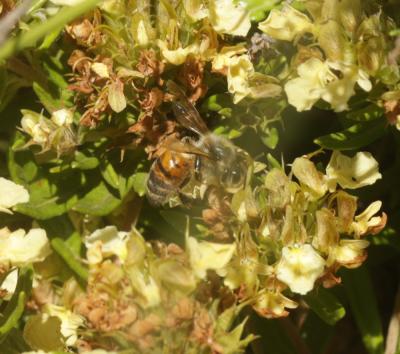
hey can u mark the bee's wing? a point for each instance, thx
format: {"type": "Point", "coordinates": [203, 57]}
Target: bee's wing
{"type": "Point", "coordinates": [174, 144]}
{"type": "Point", "coordinates": [186, 114]}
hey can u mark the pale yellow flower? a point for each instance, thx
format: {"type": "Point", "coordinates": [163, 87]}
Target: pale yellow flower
{"type": "Point", "coordinates": [11, 194]}
{"type": "Point", "coordinates": [307, 89]}
{"type": "Point", "coordinates": [309, 177]}
{"type": "Point", "coordinates": [238, 77]}
{"type": "Point", "coordinates": [349, 253]}
{"type": "Point", "coordinates": [238, 69]}
{"type": "Point", "coordinates": [178, 55]}
{"type": "Point", "coordinates": [223, 59]}
{"type": "Point", "coordinates": [33, 124]}
{"type": "Point", "coordinates": [352, 172]}
{"type": "Point", "coordinates": [316, 80]}
{"type": "Point", "coordinates": [205, 256]}
{"type": "Point", "coordinates": [146, 287]}
{"type": "Point", "coordinates": [106, 242]}
{"type": "Point", "coordinates": [66, 2]}
{"type": "Point", "coordinates": [286, 24]}
{"type": "Point", "coordinates": [19, 248]}
{"type": "Point", "coordinates": [62, 117]}
{"type": "Point", "coordinates": [229, 17]}
{"type": "Point", "coordinates": [272, 304]}
{"type": "Point", "coordinates": [339, 91]}
{"type": "Point", "coordinates": [101, 70]}
{"type": "Point", "coordinates": [299, 267]}
{"type": "Point", "coordinates": [196, 9]}
{"type": "Point", "coordinates": [367, 221]}
{"type": "Point", "coordinates": [70, 322]}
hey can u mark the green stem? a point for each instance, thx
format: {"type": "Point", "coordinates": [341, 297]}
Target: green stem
{"type": "Point", "coordinates": [29, 38]}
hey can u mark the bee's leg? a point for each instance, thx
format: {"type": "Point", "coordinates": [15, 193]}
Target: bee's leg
{"type": "Point", "coordinates": [187, 202]}
{"type": "Point", "coordinates": [197, 168]}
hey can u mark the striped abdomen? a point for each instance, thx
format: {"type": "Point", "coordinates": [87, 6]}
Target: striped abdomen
{"type": "Point", "coordinates": [167, 175]}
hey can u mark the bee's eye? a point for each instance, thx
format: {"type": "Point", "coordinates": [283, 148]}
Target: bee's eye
{"type": "Point", "coordinates": [232, 177]}
{"type": "Point", "coordinates": [236, 176]}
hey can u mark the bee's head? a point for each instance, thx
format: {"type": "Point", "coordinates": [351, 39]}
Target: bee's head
{"type": "Point", "coordinates": [232, 164]}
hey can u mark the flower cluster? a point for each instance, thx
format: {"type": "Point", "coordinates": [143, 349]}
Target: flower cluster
{"type": "Point", "coordinates": [150, 297]}
{"type": "Point", "coordinates": [339, 45]}
{"type": "Point", "coordinates": [297, 234]}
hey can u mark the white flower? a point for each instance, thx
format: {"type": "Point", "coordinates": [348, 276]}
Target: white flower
{"type": "Point", "coordinates": [11, 194]}
{"type": "Point", "coordinates": [70, 322]}
{"type": "Point", "coordinates": [9, 284]}
{"type": "Point", "coordinates": [106, 242]}
{"type": "Point", "coordinates": [229, 17]}
{"type": "Point", "coordinates": [209, 255]}
{"type": "Point", "coordinates": [62, 117]}
{"type": "Point", "coordinates": [299, 268]}
{"type": "Point", "coordinates": [352, 172]}
{"type": "Point", "coordinates": [18, 248]}
{"type": "Point", "coordinates": [286, 24]}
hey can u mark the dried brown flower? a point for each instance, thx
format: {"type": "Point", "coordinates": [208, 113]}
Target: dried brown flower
{"type": "Point", "coordinates": [85, 30]}
{"type": "Point", "coordinates": [191, 76]}
{"type": "Point", "coordinates": [149, 65]}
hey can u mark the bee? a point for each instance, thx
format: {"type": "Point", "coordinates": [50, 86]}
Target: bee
{"type": "Point", "coordinates": [209, 159]}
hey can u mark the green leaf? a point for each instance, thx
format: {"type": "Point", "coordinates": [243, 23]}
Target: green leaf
{"type": "Point", "coordinates": [84, 161]}
{"type": "Point", "coordinates": [365, 114]}
{"type": "Point", "coordinates": [15, 307]}
{"type": "Point", "coordinates": [44, 333]}
{"type": "Point", "coordinates": [325, 305]}
{"type": "Point", "coordinates": [363, 305]}
{"type": "Point", "coordinates": [217, 103]}
{"type": "Point", "coordinates": [355, 137]}
{"type": "Point", "coordinates": [62, 227]}
{"type": "Point", "coordinates": [272, 337]}
{"type": "Point", "coordinates": [270, 137]}
{"type": "Point", "coordinates": [50, 195]}
{"type": "Point", "coordinates": [139, 181]}
{"type": "Point", "coordinates": [99, 201]}
{"type": "Point", "coordinates": [70, 258]}
{"type": "Point", "coordinates": [14, 343]}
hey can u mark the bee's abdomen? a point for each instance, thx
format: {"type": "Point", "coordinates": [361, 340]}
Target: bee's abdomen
{"type": "Point", "coordinates": [167, 174]}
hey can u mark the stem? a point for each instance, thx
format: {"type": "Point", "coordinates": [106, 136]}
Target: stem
{"type": "Point", "coordinates": [40, 30]}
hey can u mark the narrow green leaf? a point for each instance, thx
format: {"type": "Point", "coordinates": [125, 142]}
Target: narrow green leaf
{"type": "Point", "coordinates": [325, 305]}
{"type": "Point", "coordinates": [15, 307]}
{"type": "Point", "coordinates": [70, 258]}
{"type": "Point", "coordinates": [355, 137]}
{"type": "Point", "coordinates": [363, 305]}
{"type": "Point", "coordinates": [40, 30]}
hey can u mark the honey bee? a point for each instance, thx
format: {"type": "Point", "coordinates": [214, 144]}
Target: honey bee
{"type": "Point", "coordinates": [209, 159]}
